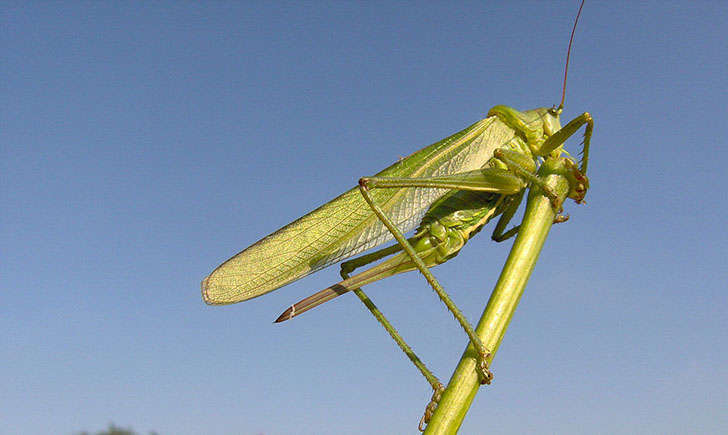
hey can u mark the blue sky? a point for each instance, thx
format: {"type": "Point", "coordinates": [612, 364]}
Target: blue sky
{"type": "Point", "coordinates": [144, 143]}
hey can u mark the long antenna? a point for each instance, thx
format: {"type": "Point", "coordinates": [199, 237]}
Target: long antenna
{"type": "Point", "coordinates": [568, 54]}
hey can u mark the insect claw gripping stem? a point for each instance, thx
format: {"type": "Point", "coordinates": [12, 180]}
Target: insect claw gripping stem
{"type": "Point", "coordinates": [430, 408]}
{"type": "Point", "coordinates": [486, 376]}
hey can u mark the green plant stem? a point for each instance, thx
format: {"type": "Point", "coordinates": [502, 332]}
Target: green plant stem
{"type": "Point", "coordinates": [536, 224]}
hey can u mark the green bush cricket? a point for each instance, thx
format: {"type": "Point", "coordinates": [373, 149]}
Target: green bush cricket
{"type": "Point", "coordinates": [465, 180]}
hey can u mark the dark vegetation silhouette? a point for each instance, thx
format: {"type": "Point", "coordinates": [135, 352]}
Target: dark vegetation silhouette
{"type": "Point", "coordinates": [115, 430]}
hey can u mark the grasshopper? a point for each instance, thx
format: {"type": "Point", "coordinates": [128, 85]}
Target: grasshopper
{"type": "Point", "coordinates": [452, 188]}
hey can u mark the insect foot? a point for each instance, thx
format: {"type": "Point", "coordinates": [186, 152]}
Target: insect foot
{"type": "Point", "coordinates": [431, 407]}
{"type": "Point", "coordinates": [579, 183]}
{"type": "Point", "coordinates": [486, 376]}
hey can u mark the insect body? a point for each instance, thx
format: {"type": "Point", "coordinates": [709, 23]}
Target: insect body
{"type": "Point", "coordinates": [347, 226]}
{"type": "Point", "coordinates": [499, 155]}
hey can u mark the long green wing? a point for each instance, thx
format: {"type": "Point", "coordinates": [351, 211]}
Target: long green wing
{"type": "Point", "coordinates": [346, 225]}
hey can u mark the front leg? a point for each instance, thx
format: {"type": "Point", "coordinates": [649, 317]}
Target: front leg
{"type": "Point", "coordinates": [557, 139]}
